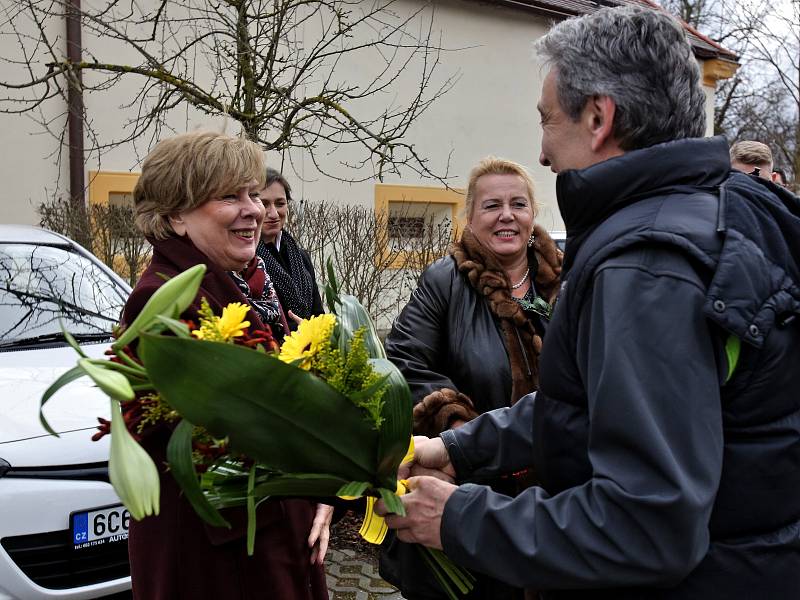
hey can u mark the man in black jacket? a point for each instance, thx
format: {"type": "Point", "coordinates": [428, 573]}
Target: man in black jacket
{"type": "Point", "coordinates": [666, 430]}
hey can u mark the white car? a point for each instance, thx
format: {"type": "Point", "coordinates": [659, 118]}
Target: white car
{"type": "Point", "coordinates": [63, 532]}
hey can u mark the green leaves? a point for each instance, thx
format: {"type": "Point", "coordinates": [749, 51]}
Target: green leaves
{"type": "Point", "coordinates": [354, 489]}
{"type": "Point", "coordinates": [113, 383]}
{"type": "Point", "coordinates": [351, 317]}
{"type": "Point", "coordinates": [392, 501]}
{"type": "Point", "coordinates": [179, 457]}
{"type": "Point", "coordinates": [275, 413]}
{"type": "Point", "coordinates": [169, 301]}
{"type": "Point", "coordinates": [224, 491]}
{"type": "Point", "coordinates": [395, 432]}
{"type": "Point", "coordinates": [105, 374]}
{"type": "Point", "coordinates": [331, 288]}
{"type": "Point", "coordinates": [65, 379]}
{"type": "Point", "coordinates": [447, 572]}
{"type": "Point", "coordinates": [131, 470]}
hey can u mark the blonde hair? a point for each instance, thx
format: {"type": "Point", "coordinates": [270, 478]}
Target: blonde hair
{"type": "Point", "coordinates": [751, 153]}
{"type": "Point", "coordinates": [182, 172]}
{"type": "Point", "coordinates": [492, 165]}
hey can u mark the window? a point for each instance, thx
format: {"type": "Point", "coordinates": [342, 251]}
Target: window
{"type": "Point", "coordinates": [418, 222]}
{"type": "Point", "coordinates": [117, 241]}
{"type": "Point", "coordinates": [109, 187]}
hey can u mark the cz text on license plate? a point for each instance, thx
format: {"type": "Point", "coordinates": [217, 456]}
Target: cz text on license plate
{"type": "Point", "coordinates": [98, 526]}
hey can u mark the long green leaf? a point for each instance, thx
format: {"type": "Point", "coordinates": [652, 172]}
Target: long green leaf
{"type": "Point", "coordinates": [331, 287]}
{"type": "Point", "coordinates": [179, 456]}
{"type": "Point", "coordinates": [234, 492]}
{"type": "Point", "coordinates": [177, 327]}
{"type": "Point", "coordinates": [251, 512]}
{"type": "Point", "coordinates": [66, 378]}
{"type": "Point", "coordinates": [395, 434]}
{"type": "Point", "coordinates": [72, 341]}
{"type": "Point", "coordinates": [276, 414]}
{"type": "Point", "coordinates": [113, 383]}
{"type": "Point", "coordinates": [352, 316]}
{"type": "Point", "coordinates": [392, 501]}
{"type": "Point", "coordinates": [433, 567]}
{"type": "Point", "coordinates": [136, 372]}
{"type": "Point", "coordinates": [354, 489]}
{"type": "Point", "coordinates": [170, 300]}
{"type": "Point", "coordinates": [461, 579]}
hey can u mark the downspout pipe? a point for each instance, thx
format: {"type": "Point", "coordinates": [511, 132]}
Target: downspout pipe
{"type": "Point", "coordinates": [75, 108]}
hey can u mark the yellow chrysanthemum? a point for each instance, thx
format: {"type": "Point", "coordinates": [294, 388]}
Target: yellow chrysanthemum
{"type": "Point", "coordinates": [304, 343]}
{"type": "Point", "coordinates": [223, 329]}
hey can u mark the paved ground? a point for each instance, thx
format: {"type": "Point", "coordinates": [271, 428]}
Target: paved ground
{"type": "Point", "coordinates": [354, 576]}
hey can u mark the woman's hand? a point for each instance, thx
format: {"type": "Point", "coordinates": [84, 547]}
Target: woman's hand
{"type": "Point", "coordinates": [294, 317]}
{"type": "Point", "coordinates": [430, 458]}
{"type": "Point", "coordinates": [320, 533]}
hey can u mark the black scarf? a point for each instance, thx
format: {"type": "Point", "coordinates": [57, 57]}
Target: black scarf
{"type": "Point", "coordinates": [295, 285]}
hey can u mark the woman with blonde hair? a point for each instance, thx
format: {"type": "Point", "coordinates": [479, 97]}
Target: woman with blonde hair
{"type": "Point", "coordinates": [197, 201]}
{"type": "Point", "coordinates": [469, 339]}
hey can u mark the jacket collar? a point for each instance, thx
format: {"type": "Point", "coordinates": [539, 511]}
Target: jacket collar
{"type": "Point", "coordinates": [588, 196]}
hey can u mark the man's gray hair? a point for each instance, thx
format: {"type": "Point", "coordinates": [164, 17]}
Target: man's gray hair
{"type": "Point", "coordinates": [638, 57]}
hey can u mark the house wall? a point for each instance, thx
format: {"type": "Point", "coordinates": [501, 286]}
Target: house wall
{"type": "Point", "coordinates": [491, 109]}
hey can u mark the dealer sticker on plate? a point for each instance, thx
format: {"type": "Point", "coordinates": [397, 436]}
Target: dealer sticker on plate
{"type": "Point", "coordinates": [99, 526]}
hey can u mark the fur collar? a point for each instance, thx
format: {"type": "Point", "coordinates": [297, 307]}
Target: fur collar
{"type": "Point", "coordinates": [483, 270]}
{"type": "Point", "coordinates": [485, 274]}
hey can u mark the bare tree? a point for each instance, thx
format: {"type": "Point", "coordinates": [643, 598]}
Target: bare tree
{"type": "Point", "coordinates": [374, 259]}
{"type": "Point", "coordinates": [112, 233]}
{"type": "Point", "coordinates": [775, 108]}
{"type": "Point", "coordinates": [762, 100]}
{"type": "Point", "coordinates": [274, 66]}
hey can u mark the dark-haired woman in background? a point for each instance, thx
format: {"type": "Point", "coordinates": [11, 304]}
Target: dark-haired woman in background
{"type": "Point", "coordinates": [288, 265]}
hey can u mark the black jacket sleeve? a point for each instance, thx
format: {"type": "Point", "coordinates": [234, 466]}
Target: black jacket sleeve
{"type": "Point", "coordinates": [499, 442]}
{"type": "Point", "coordinates": [418, 339]}
{"type": "Point", "coordinates": [647, 358]}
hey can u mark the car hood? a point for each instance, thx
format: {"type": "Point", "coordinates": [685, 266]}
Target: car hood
{"type": "Point", "coordinates": [72, 411]}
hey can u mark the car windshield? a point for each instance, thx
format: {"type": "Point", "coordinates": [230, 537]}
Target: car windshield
{"type": "Point", "coordinates": [43, 287]}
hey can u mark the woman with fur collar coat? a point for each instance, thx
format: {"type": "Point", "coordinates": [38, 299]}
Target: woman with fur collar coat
{"type": "Point", "coordinates": [469, 339]}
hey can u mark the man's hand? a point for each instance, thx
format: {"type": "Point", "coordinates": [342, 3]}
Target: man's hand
{"type": "Point", "coordinates": [424, 507]}
{"type": "Point", "coordinates": [430, 458]}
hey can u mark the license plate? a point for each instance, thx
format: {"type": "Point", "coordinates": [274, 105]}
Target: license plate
{"type": "Point", "coordinates": [96, 526]}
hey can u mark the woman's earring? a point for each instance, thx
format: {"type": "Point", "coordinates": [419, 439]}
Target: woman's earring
{"type": "Point", "coordinates": [531, 240]}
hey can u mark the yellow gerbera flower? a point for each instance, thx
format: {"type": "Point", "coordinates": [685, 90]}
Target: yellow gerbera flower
{"type": "Point", "coordinates": [232, 323]}
{"type": "Point", "coordinates": [223, 329]}
{"type": "Point", "coordinates": [304, 343]}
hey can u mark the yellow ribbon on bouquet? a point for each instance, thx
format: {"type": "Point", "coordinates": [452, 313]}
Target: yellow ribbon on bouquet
{"type": "Point", "coordinates": [374, 528]}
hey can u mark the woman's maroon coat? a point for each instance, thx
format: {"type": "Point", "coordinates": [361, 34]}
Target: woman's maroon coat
{"type": "Point", "coordinates": [176, 556]}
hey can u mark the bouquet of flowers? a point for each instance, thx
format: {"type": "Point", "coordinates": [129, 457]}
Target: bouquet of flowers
{"type": "Point", "coordinates": [325, 414]}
